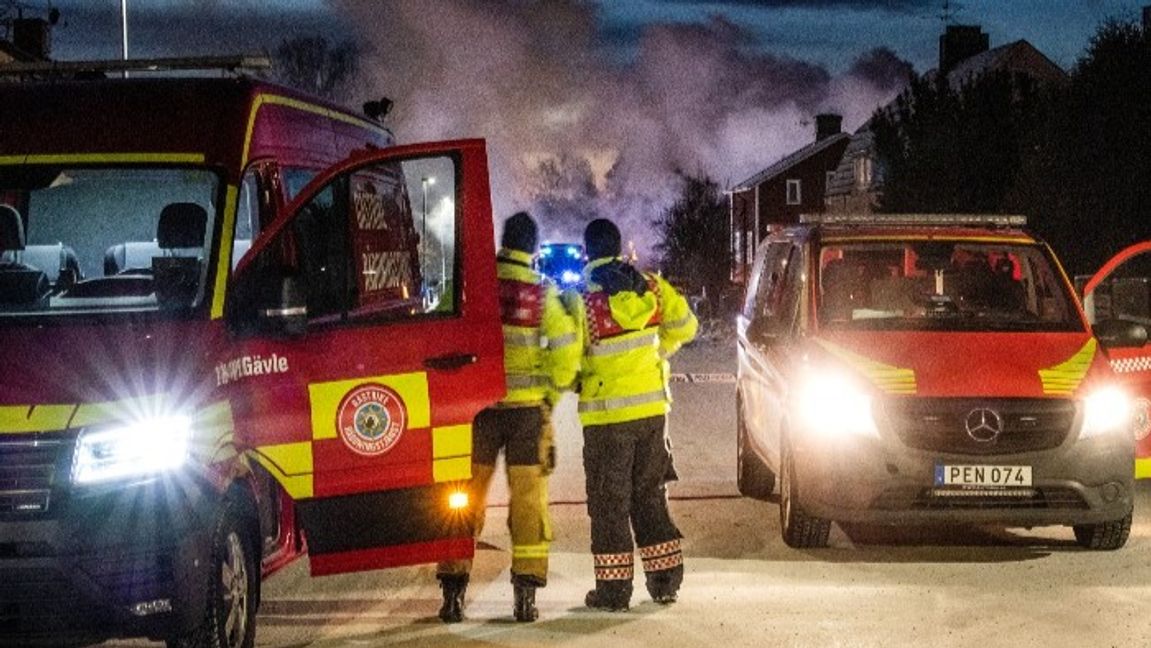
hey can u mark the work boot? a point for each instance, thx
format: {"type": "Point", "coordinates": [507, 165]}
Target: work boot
{"type": "Point", "coordinates": [525, 606]}
{"type": "Point", "coordinates": [454, 587]}
{"type": "Point", "coordinates": [664, 585]}
{"type": "Point", "coordinates": [610, 596]}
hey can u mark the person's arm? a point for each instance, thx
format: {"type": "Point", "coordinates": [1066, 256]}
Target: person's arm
{"type": "Point", "coordinates": [678, 324]}
{"type": "Point", "coordinates": [564, 344]}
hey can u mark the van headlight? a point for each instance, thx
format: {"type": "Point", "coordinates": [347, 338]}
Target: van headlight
{"type": "Point", "coordinates": [147, 447]}
{"type": "Point", "coordinates": [834, 404]}
{"type": "Point", "coordinates": [1105, 410]}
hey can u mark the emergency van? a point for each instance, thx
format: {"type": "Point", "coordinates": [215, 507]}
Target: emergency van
{"type": "Point", "coordinates": [929, 369]}
{"type": "Point", "coordinates": [238, 325]}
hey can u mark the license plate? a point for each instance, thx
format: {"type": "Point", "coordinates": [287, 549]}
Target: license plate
{"type": "Point", "coordinates": [976, 475]}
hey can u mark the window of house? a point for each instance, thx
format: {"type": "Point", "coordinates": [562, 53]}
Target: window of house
{"type": "Point", "coordinates": [862, 167]}
{"type": "Point", "coordinates": [829, 178]}
{"type": "Point", "coordinates": [793, 193]}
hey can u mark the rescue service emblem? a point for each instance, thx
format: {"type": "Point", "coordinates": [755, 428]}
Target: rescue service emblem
{"type": "Point", "coordinates": [371, 419]}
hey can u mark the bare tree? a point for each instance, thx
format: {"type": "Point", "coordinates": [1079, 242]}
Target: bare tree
{"type": "Point", "coordinates": [695, 232]}
{"type": "Point", "coordinates": [312, 64]}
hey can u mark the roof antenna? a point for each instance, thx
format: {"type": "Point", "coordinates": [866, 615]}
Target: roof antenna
{"type": "Point", "coordinates": [948, 15]}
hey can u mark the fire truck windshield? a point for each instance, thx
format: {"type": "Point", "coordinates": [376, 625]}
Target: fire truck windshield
{"type": "Point", "coordinates": [943, 285]}
{"type": "Point", "coordinates": [111, 239]}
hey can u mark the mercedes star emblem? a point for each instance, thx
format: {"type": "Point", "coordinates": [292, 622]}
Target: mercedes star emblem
{"type": "Point", "coordinates": [983, 424]}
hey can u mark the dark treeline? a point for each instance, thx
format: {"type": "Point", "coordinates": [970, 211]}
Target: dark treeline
{"type": "Point", "coordinates": [1075, 157]}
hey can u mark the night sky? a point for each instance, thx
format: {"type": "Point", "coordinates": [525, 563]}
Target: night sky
{"type": "Point", "coordinates": [819, 31]}
{"type": "Point", "coordinates": [590, 108]}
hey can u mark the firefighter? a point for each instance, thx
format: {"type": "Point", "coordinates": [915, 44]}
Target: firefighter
{"type": "Point", "coordinates": [541, 357]}
{"type": "Point", "coordinates": [630, 323]}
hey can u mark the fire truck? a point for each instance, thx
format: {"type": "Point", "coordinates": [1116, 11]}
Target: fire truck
{"type": "Point", "coordinates": [229, 338]}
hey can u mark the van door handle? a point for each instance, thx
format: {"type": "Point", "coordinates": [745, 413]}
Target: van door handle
{"type": "Point", "coordinates": [451, 361]}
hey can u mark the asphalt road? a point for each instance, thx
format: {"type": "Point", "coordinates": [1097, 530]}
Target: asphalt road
{"type": "Point", "coordinates": [873, 587]}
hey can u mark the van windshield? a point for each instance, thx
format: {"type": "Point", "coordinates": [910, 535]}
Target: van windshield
{"type": "Point", "coordinates": [94, 240]}
{"type": "Point", "coordinates": [943, 285]}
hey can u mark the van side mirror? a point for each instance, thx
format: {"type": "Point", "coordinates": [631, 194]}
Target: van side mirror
{"type": "Point", "coordinates": [1117, 333]}
{"type": "Point", "coordinates": [763, 331]}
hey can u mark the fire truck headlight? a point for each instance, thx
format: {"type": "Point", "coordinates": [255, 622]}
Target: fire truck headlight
{"type": "Point", "coordinates": [832, 404]}
{"type": "Point", "coordinates": [1106, 410]}
{"type": "Point", "coordinates": [570, 277]}
{"type": "Point", "coordinates": [145, 448]}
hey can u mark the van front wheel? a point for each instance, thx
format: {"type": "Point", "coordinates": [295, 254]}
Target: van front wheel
{"type": "Point", "coordinates": [800, 530]}
{"type": "Point", "coordinates": [233, 589]}
{"type": "Point", "coordinates": [1105, 536]}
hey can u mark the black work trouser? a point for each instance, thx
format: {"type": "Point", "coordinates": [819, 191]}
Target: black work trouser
{"type": "Point", "coordinates": [628, 465]}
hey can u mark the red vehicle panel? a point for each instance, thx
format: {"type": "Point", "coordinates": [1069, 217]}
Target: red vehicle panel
{"type": "Point", "coordinates": [243, 325]}
{"type": "Point", "coordinates": [1132, 364]}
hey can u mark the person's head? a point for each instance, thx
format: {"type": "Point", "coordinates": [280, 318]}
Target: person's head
{"type": "Point", "coordinates": [520, 233]}
{"type": "Point", "coordinates": [602, 239]}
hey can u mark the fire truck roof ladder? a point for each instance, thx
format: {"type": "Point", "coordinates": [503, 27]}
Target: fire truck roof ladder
{"type": "Point", "coordinates": [233, 64]}
{"type": "Point", "coordinates": [937, 220]}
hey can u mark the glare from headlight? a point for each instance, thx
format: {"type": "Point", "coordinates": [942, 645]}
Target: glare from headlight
{"type": "Point", "coordinates": [833, 404]}
{"type": "Point", "coordinates": [145, 448]}
{"type": "Point", "coordinates": [1107, 409]}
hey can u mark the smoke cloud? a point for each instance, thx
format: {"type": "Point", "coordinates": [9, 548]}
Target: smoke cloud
{"type": "Point", "coordinates": [573, 131]}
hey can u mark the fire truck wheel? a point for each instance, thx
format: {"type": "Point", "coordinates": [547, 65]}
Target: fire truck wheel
{"type": "Point", "coordinates": [1106, 536]}
{"type": "Point", "coordinates": [753, 478]}
{"type": "Point", "coordinates": [800, 530]}
{"type": "Point", "coordinates": [233, 588]}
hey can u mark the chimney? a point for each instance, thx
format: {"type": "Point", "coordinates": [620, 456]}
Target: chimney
{"type": "Point", "coordinates": [1147, 18]}
{"type": "Point", "coordinates": [827, 125]}
{"type": "Point", "coordinates": [33, 36]}
{"type": "Point", "coordinates": [958, 43]}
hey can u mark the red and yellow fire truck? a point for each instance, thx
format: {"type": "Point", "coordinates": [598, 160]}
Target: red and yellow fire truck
{"type": "Point", "coordinates": [238, 325]}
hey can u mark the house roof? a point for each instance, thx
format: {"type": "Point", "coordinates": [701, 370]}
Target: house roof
{"type": "Point", "coordinates": [1020, 56]}
{"type": "Point", "coordinates": [790, 161]}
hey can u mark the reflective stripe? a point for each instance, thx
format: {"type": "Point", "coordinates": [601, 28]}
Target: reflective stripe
{"type": "Point", "coordinates": [530, 551]}
{"type": "Point", "coordinates": [614, 566]}
{"type": "Point", "coordinates": [513, 338]}
{"type": "Point", "coordinates": [105, 158]}
{"type": "Point", "coordinates": [683, 321]}
{"type": "Point", "coordinates": [563, 340]}
{"type": "Point", "coordinates": [622, 402]}
{"type": "Point", "coordinates": [519, 381]}
{"type": "Point", "coordinates": [666, 555]}
{"type": "Point", "coordinates": [619, 346]}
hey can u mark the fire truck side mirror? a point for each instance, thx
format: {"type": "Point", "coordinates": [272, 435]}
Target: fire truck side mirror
{"type": "Point", "coordinates": [287, 313]}
{"type": "Point", "coordinates": [264, 302]}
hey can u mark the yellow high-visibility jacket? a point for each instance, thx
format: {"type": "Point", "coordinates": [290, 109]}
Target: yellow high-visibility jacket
{"type": "Point", "coordinates": [541, 345]}
{"type": "Point", "coordinates": [626, 338]}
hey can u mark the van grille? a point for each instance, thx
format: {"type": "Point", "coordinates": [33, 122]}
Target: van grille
{"type": "Point", "coordinates": [940, 424]}
{"type": "Point", "coordinates": [31, 469]}
{"type": "Point", "coordinates": [930, 499]}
